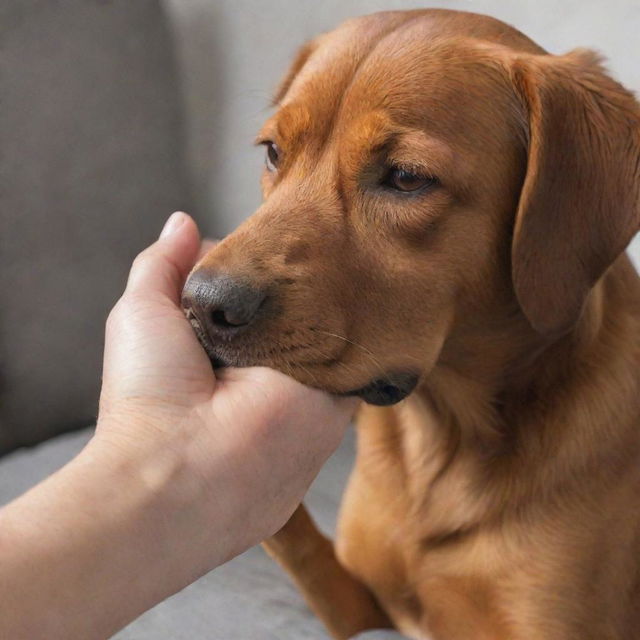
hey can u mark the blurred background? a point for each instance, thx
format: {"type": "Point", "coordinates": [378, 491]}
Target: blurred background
{"type": "Point", "coordinates": [114, 113]}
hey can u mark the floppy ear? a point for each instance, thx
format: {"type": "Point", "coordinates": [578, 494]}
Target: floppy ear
{"type": "Point", "coordinates": [580, 201]}
{"type": "Point", "coordinates": [299, 61]}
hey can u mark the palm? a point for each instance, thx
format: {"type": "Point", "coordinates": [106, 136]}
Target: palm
{"type": "Point", "coordinates": [162, 355]}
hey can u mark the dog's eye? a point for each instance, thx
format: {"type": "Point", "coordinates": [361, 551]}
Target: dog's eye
{"type": "Point", "coordinates": [403, 180]}
{"type": "Point", "coordinates": [272, 157]}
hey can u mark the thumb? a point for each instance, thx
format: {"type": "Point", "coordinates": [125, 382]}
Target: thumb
{"type": "Point", "coordinates": [163, 267]}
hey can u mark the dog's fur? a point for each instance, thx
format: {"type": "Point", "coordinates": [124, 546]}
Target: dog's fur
{"type": "Point", "coordinates": [501, 499]}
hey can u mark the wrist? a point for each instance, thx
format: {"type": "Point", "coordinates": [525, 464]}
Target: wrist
{"type": "Point", "coordinates": [154, 472]}
{"type": "Point", "coordinates": [105, 541]}
{"type": "Point", "coordinates": [163, 493]}
{"type": "Point", "coordinates": [151, 488]}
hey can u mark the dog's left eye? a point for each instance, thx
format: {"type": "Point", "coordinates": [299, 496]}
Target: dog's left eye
{"type": "Point", "coordinates": [272, 157]}
{"type": "Point", "coordinates": [403, 180]}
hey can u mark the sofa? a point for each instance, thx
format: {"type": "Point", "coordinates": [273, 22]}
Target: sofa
{"type": "Point", "coordinates": [116, 113]}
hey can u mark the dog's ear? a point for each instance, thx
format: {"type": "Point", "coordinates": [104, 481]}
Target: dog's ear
{"type": "Point", "coordinates": [580, 201]}
{"type": "Point", "coordinates": [299, 61]}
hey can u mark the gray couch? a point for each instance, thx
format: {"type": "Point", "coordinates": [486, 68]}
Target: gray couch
{"type": "Point", "coordinates": [114, 114]}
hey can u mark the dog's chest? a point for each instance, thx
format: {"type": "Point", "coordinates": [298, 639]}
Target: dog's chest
{"type": "Point", "coordinates": [390, 521]}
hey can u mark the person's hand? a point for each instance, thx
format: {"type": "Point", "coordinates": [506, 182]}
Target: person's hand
{"type": "Point", "coordinates": [249, 442]}
{"type": "Point", "coordinates": [185, 470]}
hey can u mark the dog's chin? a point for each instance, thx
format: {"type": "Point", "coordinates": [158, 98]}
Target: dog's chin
{"type": "Point", "coordinates": [382, 391]}
{"type": "Point", "coordinates": [387, 390]}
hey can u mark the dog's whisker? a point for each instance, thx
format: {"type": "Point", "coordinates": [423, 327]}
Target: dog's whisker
{"type": "Point", "coordinates": [368, 352]}
{"type": "Point", "coordinates": [328, 357]}
{"type": "Point", "coordinates": [297, 364]}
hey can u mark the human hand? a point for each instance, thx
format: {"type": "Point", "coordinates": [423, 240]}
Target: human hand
{"type": "Point", "coordinates": [242, 445]}
{"type": "Point", "coordinates": [186, 469]}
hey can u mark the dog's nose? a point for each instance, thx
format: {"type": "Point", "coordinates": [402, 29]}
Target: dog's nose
{"type": "Point", "coordinates": [222, 305]}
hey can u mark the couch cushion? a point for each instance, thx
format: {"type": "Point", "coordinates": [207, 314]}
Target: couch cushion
{"type": "Point", "coordinates": [91, 142]}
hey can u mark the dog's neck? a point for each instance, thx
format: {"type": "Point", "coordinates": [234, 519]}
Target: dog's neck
{"type": "Point", "coordinates": [511, 400]}
{"type": "Point", "coordinates": [504, 368]}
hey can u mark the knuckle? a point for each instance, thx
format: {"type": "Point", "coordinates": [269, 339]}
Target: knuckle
{"type": "Point", "coordinates": [142, 260]}
{"type": "Point", "coordinates": [115, 314]}
{"type": "Point", "coordinates": [130, 304]}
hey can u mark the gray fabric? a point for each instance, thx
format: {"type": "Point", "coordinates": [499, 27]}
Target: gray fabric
{"type": "Point", "coordinates": [249, 598]}
{"type": "Point", "coordinates": [91, 166]}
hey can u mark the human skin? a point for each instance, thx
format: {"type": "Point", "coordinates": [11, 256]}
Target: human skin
{"type": "Point", "coordinates": [187, 468]}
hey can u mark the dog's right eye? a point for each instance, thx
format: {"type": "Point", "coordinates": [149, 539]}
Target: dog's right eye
{"type": "Point", "coordinates": [272, 157]}
{"type": "Point", "coordinates": [407, 181]}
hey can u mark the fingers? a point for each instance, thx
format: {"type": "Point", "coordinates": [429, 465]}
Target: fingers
{"type": "Point", "coordinates": [162, 268]}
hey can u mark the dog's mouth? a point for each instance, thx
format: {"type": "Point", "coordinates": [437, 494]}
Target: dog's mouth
{"type": "Point", "coordinates": [384, 390]}
{"type": "Point", "coordinates": [217, 361]}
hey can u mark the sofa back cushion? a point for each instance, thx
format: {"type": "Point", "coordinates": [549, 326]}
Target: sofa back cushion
{"type": "Point", "coordinates": [91, 166]}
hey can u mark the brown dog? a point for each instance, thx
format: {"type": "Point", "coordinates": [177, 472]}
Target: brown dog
{"type": "Point", "coordinates": [446, 210]}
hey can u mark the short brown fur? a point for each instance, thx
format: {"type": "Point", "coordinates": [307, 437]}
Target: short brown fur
{"type": "Point", "coordinates": [501, 499]}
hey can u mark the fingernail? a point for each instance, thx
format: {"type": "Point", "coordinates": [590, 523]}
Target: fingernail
{"type": "Point", "coordinates": [174, 222]}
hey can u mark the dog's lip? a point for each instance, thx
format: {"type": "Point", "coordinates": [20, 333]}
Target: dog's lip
{"type": "Point", "coordinates": [216, 361]}
{"type": "Point", "coordinates": [388, 390]}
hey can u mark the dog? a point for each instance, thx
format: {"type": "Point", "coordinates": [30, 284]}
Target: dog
{"type": "Point", "coordinates": [446, 209]}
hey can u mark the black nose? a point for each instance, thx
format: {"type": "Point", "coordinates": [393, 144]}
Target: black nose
{"type": "Point", "coordinates": [221, 304]}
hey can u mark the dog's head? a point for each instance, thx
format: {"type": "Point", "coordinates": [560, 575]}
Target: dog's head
{"type": "Point", "coordinates": [425, 171]}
